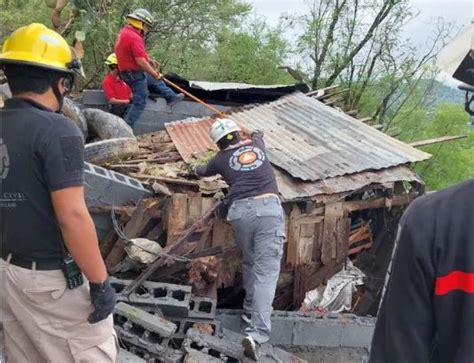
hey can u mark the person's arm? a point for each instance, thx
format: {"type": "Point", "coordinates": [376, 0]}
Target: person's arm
{"type": "Point", "coordinates": [141, 57]}
{"type": "Point", "coordinates": [405, 328]}
{"type": "Point", "coordinates": [209, 169]}
{"type": "Point", "coordinates": [146, 67]}
{"type": "Point", "coordinates": [79, 232]}
{"type": "Point", "coordinates": [61, 148]}
{"type": "Point", "coordinates": [117, 101]}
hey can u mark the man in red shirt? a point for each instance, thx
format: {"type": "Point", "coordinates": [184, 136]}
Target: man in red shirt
{"type": "Point", "coordinates": [117, 92]}
{"type": "Point", "coordinates": [135, 66]}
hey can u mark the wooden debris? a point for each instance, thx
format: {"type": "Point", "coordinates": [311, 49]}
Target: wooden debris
{"type": "Point", "coordinates": [137, 226]}
{"type": "Point", "coordinates": [171, 250]}
{"type": "Point", "coordinates": [437, 140]}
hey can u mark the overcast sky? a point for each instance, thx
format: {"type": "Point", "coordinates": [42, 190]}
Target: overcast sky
{"type": "Point", "coordinates": [453, 10]}
{"type": "Point", "coordinates": [458, 11]}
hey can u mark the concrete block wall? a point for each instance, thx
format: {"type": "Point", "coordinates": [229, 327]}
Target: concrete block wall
{"type": "Point", "coordinates": [297, 329]}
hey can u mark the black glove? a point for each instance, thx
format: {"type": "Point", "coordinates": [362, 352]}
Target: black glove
{"type": "Point", "coordinates": [103, 298]}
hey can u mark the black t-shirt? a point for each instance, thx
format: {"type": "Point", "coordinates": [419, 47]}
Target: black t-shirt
{"type": "Point", "coordinates": [40, 152]}
{"type": "Point", "coordinates": [245, 168]}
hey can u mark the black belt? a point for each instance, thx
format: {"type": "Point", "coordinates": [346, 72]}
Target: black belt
{"type": "Point", "coordinates": [26, 263]}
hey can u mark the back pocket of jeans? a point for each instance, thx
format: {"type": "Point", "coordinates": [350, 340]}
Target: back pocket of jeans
{"type": "Point", "coordinates": [269, 211]}
{"type": "Point", "coordinates": [234, 213]}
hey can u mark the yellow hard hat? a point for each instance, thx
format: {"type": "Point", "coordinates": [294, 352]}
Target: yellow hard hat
{"type": "Point", "coordinates": [39, 46]}
{"type": "Point", "coordinates": [139, 17]}
{"type": "Point", "coordinates": [111, 60]}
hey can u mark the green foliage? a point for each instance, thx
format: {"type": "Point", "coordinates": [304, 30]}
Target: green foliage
{"type": "Point", "coordinates": [452, 162]}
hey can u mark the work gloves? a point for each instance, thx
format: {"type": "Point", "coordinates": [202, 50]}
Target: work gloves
{"type": "Point", "coordinates": [103, 298]}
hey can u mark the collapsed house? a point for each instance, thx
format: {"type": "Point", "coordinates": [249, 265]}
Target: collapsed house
{"type": "Point", "coordinates": [343, 185]}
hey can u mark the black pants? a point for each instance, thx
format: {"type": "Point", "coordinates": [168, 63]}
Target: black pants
{"type": "Point", "coordinates": [118, 110]}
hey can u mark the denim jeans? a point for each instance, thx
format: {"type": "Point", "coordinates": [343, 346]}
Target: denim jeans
{"type": "Point", "coordinates": [160, 87]}
{"type": "Point", "coordinates": [138, 83]}
{"type": "Point", "coordinates": [259, 231]}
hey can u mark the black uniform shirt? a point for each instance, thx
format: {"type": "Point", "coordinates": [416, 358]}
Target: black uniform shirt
{"type": "Point", "coordinates": [427, 314]}
{"type": "Point", "coordinates": [246, 169]}
{"type": "Point", "coordinates": [40, 152]}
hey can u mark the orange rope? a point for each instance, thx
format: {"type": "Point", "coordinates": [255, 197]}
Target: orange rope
{"type": "Point", "coordinates": [209, 107]}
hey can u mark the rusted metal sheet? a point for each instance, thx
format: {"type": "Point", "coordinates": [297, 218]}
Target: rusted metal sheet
{"type": "Point", "coordinates": [292, 189]}
{"type": "Point", "coordinates": [308, 139]}
{"type": "Point", "coordinates": [191, 137]}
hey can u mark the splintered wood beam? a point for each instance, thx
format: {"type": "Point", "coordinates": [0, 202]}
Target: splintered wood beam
{"type": "Point", "coordinates": [397, 200]}
{"type": "Point", "coordinates": [437, 140]}
{"type": "Point", "coordinates": [174, 249]}
{"type": "Point", "coordinates": [166, 180]}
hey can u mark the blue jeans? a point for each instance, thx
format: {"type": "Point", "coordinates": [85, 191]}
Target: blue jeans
{"type": "Point", "coordinates": [138, 83]}
{"type": "Point", "coordinates": [160, 87]}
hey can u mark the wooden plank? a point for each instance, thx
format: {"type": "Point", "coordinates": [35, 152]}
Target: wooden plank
{"type": "Point", "coordinates": [159, 261]}
{"type": "Point", "coordinates": [194, 208]}
{"type": "Point", "coordinates": [293, 236]}
{"type": "Point", "coordinates": [318, 242]}
{"type": "Point", "coordinates": [305, 243]}
{"type": "Point", "coordinates": [342, 239]}
{"type": "Point", "coordinates": [177, 217]}
{"type": "Point", "coordinates": [334, 212]}
{"type": "Point", "coordinates": [437, 140]}
{"type": "Point", "coordinates": [397, 200]}
{"type": "Point", "coordinates": [302, 274]}
{"type": "Point", "coordinates": [166, 180]}
{"type": "Point", "coordinates": [207, 203]}
{"type": "Point", "coordinates": [135, 227]}
{"type": "Point", "coordinates": [222, 234]}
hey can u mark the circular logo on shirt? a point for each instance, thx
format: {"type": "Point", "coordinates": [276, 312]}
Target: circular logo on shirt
{"type": "Point", "coordinates": [246, 158]}
{"type": "Point", "coordinates": [4, 160]}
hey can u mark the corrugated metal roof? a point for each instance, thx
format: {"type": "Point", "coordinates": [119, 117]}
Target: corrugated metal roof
{"type": "Point", "coordinates": [292, 189]}
{"type": "Point", "coordinates": [191, 136]}
{"type": "Point", "coordinates": [215, 86]}
{"type": "Point", "coordinates": [308, 139]}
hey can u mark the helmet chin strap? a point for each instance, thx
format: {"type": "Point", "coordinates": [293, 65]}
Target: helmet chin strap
{"type": "Point", "coordinates": [68, 82]}
{"type": "Point", "coordinates": [59, 97]}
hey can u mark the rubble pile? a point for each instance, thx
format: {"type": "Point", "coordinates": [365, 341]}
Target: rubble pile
{"type": "Point", "coordinates": [162, 322]}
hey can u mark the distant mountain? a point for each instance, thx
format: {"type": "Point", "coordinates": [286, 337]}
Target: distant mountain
{"type": "Point", "coordinates": [443, 93]}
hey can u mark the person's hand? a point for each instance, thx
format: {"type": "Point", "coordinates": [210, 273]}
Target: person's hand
{"type": "Point", "coordinates": [154, 63]}
{"type": "Point", "coordinates": [157, 76]}
{"type": "Point", "coordinates": [103, 298]}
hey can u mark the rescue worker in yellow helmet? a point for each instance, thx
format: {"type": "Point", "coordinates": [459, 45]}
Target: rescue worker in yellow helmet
{"type": "Point", "coordinates": [117, 92]}
{"type": "Point", "coordinates": [56, 299]}
{"type": "Point", "coordinates": [135, 66]}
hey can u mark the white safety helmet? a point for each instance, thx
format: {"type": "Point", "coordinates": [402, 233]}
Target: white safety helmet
{"type": "Point", "coordinates": [221, 128]}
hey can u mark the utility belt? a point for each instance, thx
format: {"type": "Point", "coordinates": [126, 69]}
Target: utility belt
{"type": "Point", "coordinates": [71, 271]}
{"type": "Point", "coordinates": [40, 265]}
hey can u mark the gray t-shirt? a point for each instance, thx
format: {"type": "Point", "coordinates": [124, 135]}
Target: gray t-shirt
{"type": "Point", "coordinates": [245, 168]}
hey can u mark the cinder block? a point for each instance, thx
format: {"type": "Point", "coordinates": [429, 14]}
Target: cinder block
{"type": "Point", "coordinates": [184, 324]}
{"type": "Point", "coordinates": [105, 187]}
{"type": "Point", "coordinates": [357, 333]}
{"type": "Point", "coordinates": [172, 300]}
{"type": "Point", "coordinates": [282, 330]}
{"type": "Point", "coordinates": [125, 356]}
{"type": "Point", "coordinates": [195, 356]}
{"type": "Point", "coordinates": [202, 308]}
{"type": "Point", "coordinates": [308, 332]}
{"type": "Point", "coordinates": [92, 97]}
{"type": "Point", "coordinates": [152, 323]}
